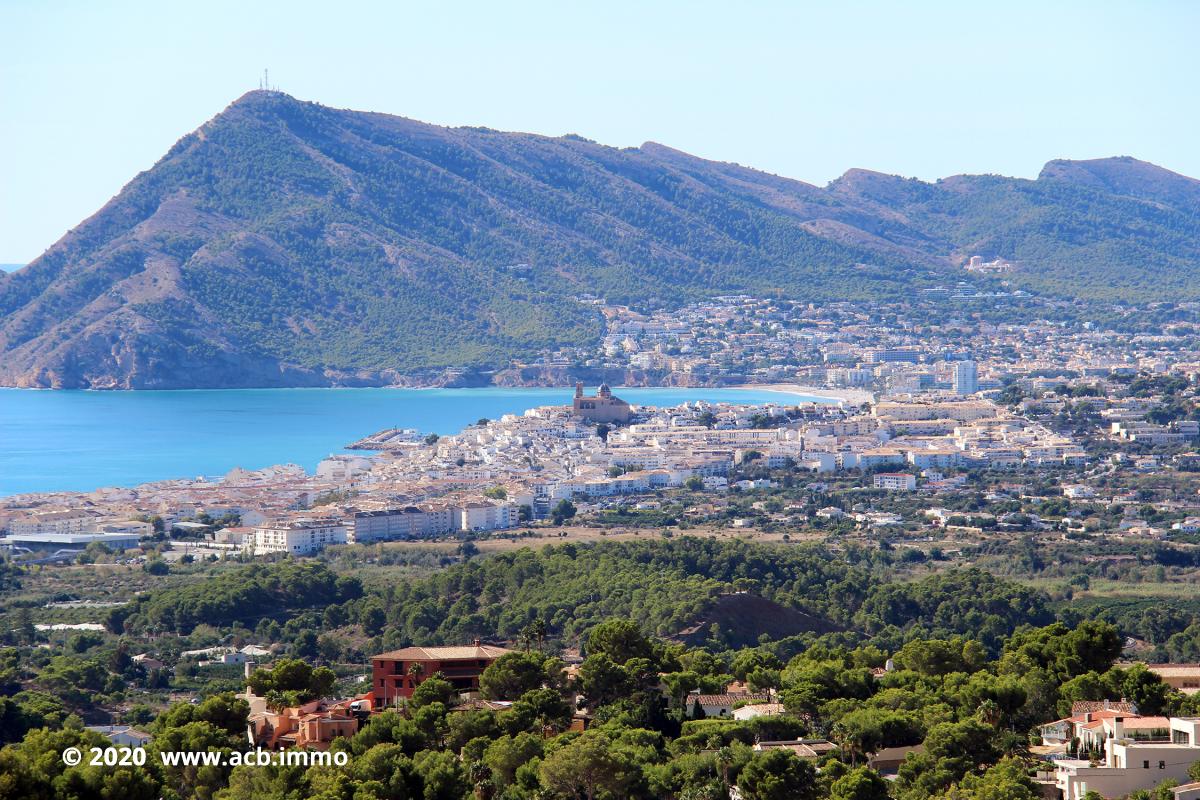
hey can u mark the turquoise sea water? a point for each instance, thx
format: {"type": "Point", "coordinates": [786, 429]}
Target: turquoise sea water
{"type": "Point", "coordinates": [79, 441]}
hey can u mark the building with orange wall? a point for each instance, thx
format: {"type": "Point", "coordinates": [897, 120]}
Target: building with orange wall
{"type": "Point", "coordinates": [312, 725]}
{"type": "Point", "coordinates": [396, 674]}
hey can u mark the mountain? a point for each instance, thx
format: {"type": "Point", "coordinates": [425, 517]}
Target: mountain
{"type": "Point", "coordinates": [1107, 229]}
{"type": "Point", "coordinates": [284, 243]}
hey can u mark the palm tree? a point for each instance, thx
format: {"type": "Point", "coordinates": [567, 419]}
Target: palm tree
{"type": "Point", "coordinates": [989, 712]}
{"type": "Point", "coordinates": [415, 671]}
{"type": "Point", "coordinates": [850, 742]}
{"type": "Point", "coordinates": [534, 632]}
{"type": "Point", "coordinates": [480, 776]}
{"type": "Point", "coordinates": [724, 762]}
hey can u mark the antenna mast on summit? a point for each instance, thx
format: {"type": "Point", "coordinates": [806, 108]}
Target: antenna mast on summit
{"type": "Point", "coordinates": [264, 82]}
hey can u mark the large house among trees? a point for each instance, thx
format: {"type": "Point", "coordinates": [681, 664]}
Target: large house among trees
{"type": "Point", "coordinates": [397, 673]}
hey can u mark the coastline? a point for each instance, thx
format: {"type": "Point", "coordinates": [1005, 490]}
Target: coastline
{"type": "Point", "coordinates": [70, 440]}
{"type": "Point", "coordinates": [849, 396]}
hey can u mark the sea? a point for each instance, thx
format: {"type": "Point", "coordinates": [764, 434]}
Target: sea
{"type": "Point", "coordinates": [66, 440]}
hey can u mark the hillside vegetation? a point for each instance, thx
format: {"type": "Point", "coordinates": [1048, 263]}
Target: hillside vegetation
{"type": "Point", "coordinates": [286, 243]}
{"type": "Point", "coordinates": [959, 668]}
{"type": "Point", "coordinates": [665, 586]}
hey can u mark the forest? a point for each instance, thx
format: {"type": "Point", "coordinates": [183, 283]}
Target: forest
{"type": "Point", "coordinates": [957, 666]}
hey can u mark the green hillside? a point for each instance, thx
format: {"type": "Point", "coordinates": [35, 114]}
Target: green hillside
{"type": "Point", "coordinates": [285, 243]}
{"type": "Point", "coordinates": [1135, 239]}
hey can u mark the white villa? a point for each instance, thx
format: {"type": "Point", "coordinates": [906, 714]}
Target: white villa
{"type": "Point", "coordinates": [1130, 764]}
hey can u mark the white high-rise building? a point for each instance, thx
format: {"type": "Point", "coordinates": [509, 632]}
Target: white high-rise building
{"type": "Point", "coordinates": [966, 377]}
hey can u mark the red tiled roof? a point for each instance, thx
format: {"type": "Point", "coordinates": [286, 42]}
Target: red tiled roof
{"type": "Point", "coordinates": [1091, 706]}
{"type": "Point", "coordinates": [729, 699]}
{"type": "Point", "coordinates": [1144, 723]}
{"type": "Point", "coordinates": [458, 653]}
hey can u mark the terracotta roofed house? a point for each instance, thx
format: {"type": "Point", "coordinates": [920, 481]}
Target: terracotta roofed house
{"type": "Point", "coordinates": [722, 705]}
{"type": "Point", "coordinates": [1184, 677]}
{"type": "Point", "coordinates": [1083, 714]}
{"type": "Point", "coordinates": [397, 673]}
{"type": "Point", "coordinates": [803, 748]}
{"type": "Point", "coordinates": [1142, 729]}
{"type": "Point", "coordinates": [1062, 731]}
{"type": "Point", "coordinates": [1129, 762]}
{"type": "Point", "coordinates": [312, 725]}
{"type": "Point", "coordinates": [1087, 706]}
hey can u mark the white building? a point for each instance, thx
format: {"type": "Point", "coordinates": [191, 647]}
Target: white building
{"type": "Point", "coordinates": [75, 520]}
{"type": "Point", "coordinates": [299, 537]}
{"type": "Point", "coordinates": [342, 468]}
{"type": "Point", "coordinates": [935, 457]}
{"type": "Point", "coordinates": [966, 377]}
{"type": "Point", "coordinates": [129, 526]}
{"type": "Point", "coordinates": [122, 735]}
{"type": "Point", "coordinates": [896, 481]}
{"type": "Point", "coordinates": [50, 542]}
{"type": "Point", "coordinates": [481, 516]}
{"type": "Point", "coordinates": [410, 522]}
{"type": "Point", "coordinates": [1130, 764]}
{"type": "Point", "coordinates": [759, 710]}
{"type": "Point", "coordinates": [722, 705]}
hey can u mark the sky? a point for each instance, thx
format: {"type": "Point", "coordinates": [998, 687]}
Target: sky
{"type": "Point", "coordinates": [92, 93]}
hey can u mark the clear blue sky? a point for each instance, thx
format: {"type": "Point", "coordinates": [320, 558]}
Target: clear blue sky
{"type": "Point", "coordinates": [91, 93]}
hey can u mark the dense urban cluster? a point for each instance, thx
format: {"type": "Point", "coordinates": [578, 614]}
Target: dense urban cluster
{"type": "Point", "coordinates": [886, 346]}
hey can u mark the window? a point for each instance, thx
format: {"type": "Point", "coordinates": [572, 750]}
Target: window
{"type": "Point", "coordinates": [1145, 765]}
{"type": "Point", "coordinates": [1162, 765]}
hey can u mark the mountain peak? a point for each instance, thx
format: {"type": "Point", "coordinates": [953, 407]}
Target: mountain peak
{"type": "Point", "coordinates": [256, 103]}
{"type": "Point", "coordinates": [290, 243]}
{"type": "Point", "coordinates": [264, 95]}
{"type": "Point", "coordinates": [877, 186]}
{"type": "Point", "coordinates": [856, 174]}
{"type": "Point", "coordinates": [656, 148]}
{"type": "Point", "coordinates": [1108, 165]}
{"type": "Point", "coordinates": [262, 98]}
{"type": "Point", "coordinates": [1125, 175]}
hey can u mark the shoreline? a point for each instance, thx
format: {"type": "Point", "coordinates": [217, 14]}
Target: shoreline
{"type": "Point", "coordinates": [850, 396]}
{"type": "Point", "coordinates": [838, 395]}
{"type": "Point", "coordinates": [259, 451]}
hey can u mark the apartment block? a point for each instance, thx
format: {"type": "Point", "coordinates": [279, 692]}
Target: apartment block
{"type": "Point", "coordinates": [299, 537]}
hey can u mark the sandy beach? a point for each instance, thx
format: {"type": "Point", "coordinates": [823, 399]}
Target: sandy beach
{"type": "Point", "coordinates": [848, 396]}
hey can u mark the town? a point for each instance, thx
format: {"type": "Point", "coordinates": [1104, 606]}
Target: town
{"type": "Point", "coordinates": [899, 405]}
{"type": "Point", "coordinates": [497, 474]}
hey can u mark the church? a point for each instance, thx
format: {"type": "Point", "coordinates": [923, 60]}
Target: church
{"type": "Point", "coordinates": [604, 407]}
